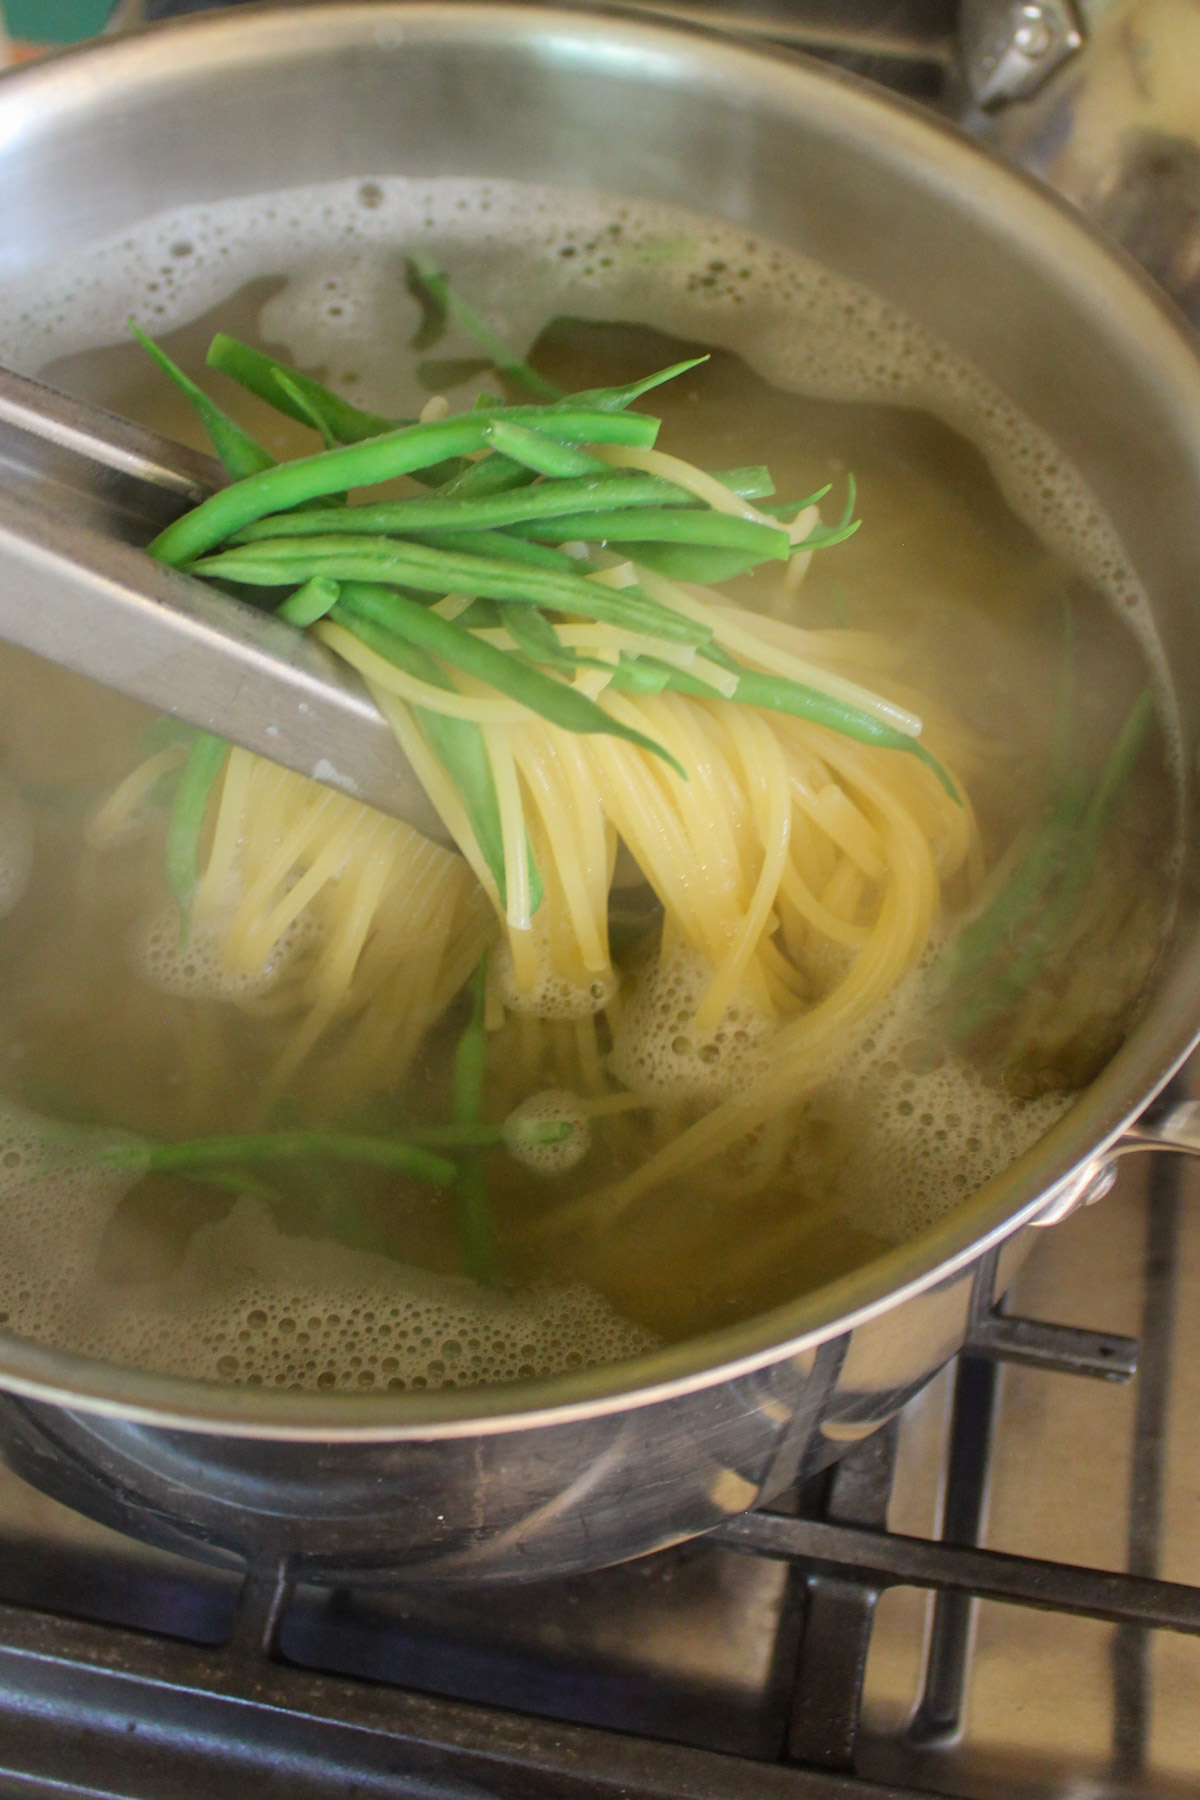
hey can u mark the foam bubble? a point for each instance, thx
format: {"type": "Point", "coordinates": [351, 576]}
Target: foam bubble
{"type": "Point", "coordinates": [16, 847]}
{"type": "Point", "coordinates": [551, 995]}
{"type": "Point", "coordinates": [194, 968]}
{"type": "Point", "coordinates": [657, 1050]}
{"type": "Point", "coordinates": [553, 1106]}
{"type": "Point", "coordinates": [920, 1129]}
{"type": "Point", "coordinates": [251, 1305]}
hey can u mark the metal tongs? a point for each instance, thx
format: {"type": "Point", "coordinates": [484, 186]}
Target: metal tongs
{"type": "Point", "coordinates": [81, 492]}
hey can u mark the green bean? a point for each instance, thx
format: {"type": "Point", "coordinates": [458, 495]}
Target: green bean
{"type": "Point", "coordinates": [310, 602]}
{"type": "Point", "coordinates": [310, 410]}
{"type": "Point", "coordinates": [498, 544]}
{"type": "Point", "coordinates": [1038, 869]}
{"type": "Point", "coordinates": [664, 525]}
{"type": "Point", "coordinates": [459, 747]}
{"type": "Point", "coordinates": [536, 638]}
{"type": "Point", "coordinates": [474, 1218]}
{"type": "Point", "coordinates": [492, 474]}
{"type": "Point", "coordinates": [689, 562]}
{"type": "Point", "coordinates": [407, 565]}
{"type": "Point", "coordinates": [424, 275]}
{"type": "Point", "coordinates": [259, 373]}
{"type": "Point", "coordinates": [534, 450]}
{"type": "Point", "coordinates": [206, 759]}
{"type": "Point", "coordinates": [775, 693]}
{"type": "Point", "coordinates": [562, 705]}
{"type": "Point", "coordinates": [240, 455]}
{"type": "Point", "coordinates": [282, 1146]}
{"type": "Point", "coordinates": [376, 460]}
{"type": "Point", "coordinates": [615, 399]}
{"type": "Point", "coordinates": [594, 493]}
{"type": "Point", "coordinates": [1083, 848]}
{"type": "Point", "coordinates": [787, 510]}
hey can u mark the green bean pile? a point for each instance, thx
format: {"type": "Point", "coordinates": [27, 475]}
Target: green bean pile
{"type": "Point", "coordinates": [513, 499]}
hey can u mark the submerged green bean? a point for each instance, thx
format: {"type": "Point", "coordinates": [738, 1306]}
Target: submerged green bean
{"type": "Point", "coordinates": [424, 275]}
{"type": "Point", "coordinates": [282, 1146]}
{"type": "Point", "coordinates": [377, 459]}
{"type": "Point", "coordinates": [205, 760]}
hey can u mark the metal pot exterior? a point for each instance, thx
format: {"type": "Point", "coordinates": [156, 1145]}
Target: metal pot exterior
{"type": "Point", "coordinates": [556, 1476]}
{"type": "Point", "coordinates": [551, 1499]}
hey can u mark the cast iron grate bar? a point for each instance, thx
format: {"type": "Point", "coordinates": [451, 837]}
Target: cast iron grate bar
{"type": "Point", "coordinates": [1131, 1643]}
{"type": "Point", "coordinates": [889, 1560]}
{"type": "Point", "coordinates": [937, 1718]}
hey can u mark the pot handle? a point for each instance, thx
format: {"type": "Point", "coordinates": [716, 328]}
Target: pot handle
{"type": "Point", "coordinates": [1178, 1128]}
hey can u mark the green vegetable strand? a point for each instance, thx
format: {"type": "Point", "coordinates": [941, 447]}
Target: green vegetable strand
{"type": "Point", "coordinates": [200, 1154]}
{"type": "Point", "coordinates": [259, 374]}
{"type": "Point", "coordinates": [553, 700]}
{"type": "Point", "coordinates": [606, 494]}
{"type": "Point", "coordinates": [458, 745]}
{"type": "Point", "coordinates": [310, 602]}
{"type": "Point", "coordinates": [474, 1217]}
{"type": "Point", "coordinates": [206, 759]}
{"type": "Point", "coordinates": [239, 453]}
{"type": "Point", "coordinates": [424, 275]}
{"type": "Point", "coordinates": [377, 459]}
{"type": "Point", "coordinates": [398, 563]}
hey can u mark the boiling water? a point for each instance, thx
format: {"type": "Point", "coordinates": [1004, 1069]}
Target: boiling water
{"type": "Point", "coordinates": [971, 554]}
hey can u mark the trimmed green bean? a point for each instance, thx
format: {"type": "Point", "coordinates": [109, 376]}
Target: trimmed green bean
{"type": "Point", "coordinates": [283, 1146]}
{"type": "Point", "coordinates": [257, 373]}
{"type": "Point", "coordinates": [239, 453]}
{"type": "Point", "coordinates": [594, 493]}
{"type": "Point", "coordinates": [310, 602]}
{"type": "Point", "coordinates": [775, 693]}
{"type": "Point", "coordinates": [408, 565]}
{"type": "Point", "coordinates": [534, 450]}
{"type": "Point", "coordinates": [310, 411]}
{"type": "Point", "coordinates": [376, 460]}
{"type": "Point", "coordinates": [554, 701]}
{"type": "Point", "coordinates": [498, 544]}
{"type": "Point", "coordinates": [664, 525]}
{"type": "Point", "coordinates": [459, 747]}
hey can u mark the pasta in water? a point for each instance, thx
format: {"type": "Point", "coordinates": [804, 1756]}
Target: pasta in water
{"type": "Point", "coordinates": [759, 939]}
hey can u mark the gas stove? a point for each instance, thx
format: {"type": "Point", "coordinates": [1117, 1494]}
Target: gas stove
{"type": "Point", "coordinates": [998, 1594]}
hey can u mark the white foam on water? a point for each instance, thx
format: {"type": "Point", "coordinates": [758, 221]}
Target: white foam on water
{"type": "Point", "coordinates": [658, 1052]}
{"type": "Point", "coordinates": [249, 1303]}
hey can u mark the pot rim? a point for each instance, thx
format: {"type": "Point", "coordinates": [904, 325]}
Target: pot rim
{"type": "Point", "coordinates": [1105, 279]}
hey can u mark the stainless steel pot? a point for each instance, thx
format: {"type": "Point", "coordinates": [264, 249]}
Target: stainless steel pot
{"type": "Point", "coordinates": [565, 1475]}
